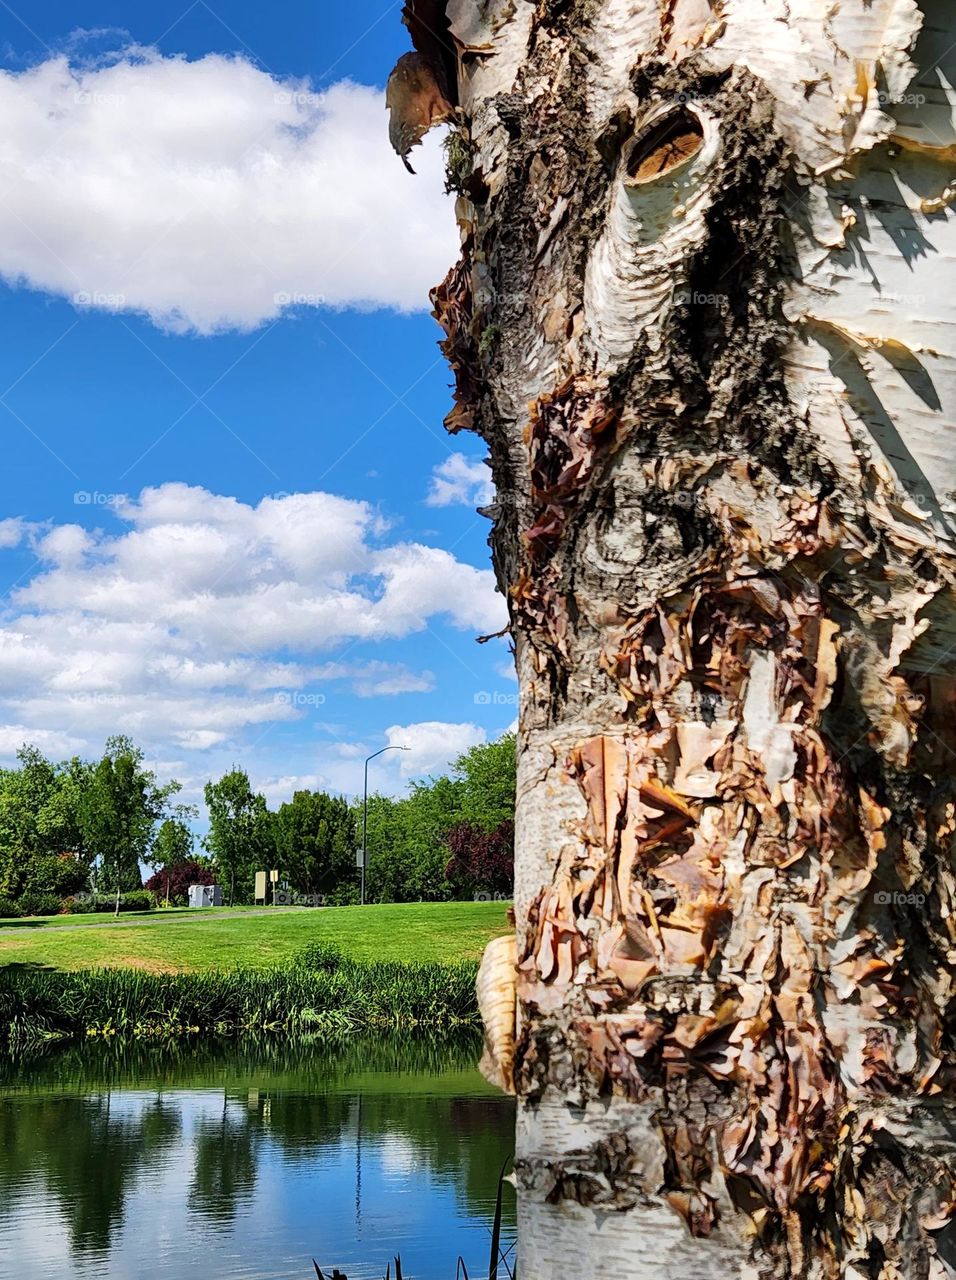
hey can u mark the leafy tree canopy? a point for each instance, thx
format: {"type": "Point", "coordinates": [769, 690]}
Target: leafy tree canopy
{"type": "Point", "coordinates": [241, 836]}
{"type": "Point", "coordinates": [315, 841]}
{"type": "Point", "coordinates": [408, 851]}
{"type": "Point", "coordinates": [119, 810]}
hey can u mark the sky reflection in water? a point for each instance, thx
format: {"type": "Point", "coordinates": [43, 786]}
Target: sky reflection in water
{"type": "Point", "coordinates": [246, 1162]}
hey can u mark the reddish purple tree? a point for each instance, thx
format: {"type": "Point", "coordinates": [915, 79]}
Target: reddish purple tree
{"type": "Point", "coordinates": [174, 880]}
{"type": "Point", "coordinates": [481, 859]}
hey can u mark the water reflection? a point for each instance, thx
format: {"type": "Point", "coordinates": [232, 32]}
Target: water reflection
{"type": "Point", "coordinates": [85, 1153]}
{"type": "Point", "coordinates": [225, 1173]}
{"type": "Point", "coordinates": [149, 1162]}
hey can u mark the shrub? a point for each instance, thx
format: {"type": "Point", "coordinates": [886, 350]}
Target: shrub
{"type": "Point", "coordinates": [9, 910]}
{"type": "Point", "coordinates": [178, 876]}
{"type": "Point", "coordinates": [321, 957]}
{"type": "Point", "coordinates": [345, 894]}
{"type": "Point", "coordinates": [135, 900]}
{"type": "Point", "coordinates": [40, 904]}
{"type": "Point", "coordinates": [60, 874]}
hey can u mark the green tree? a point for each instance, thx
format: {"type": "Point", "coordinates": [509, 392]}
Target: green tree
{"type": "Point", "coordinates": [60, 817]}
{"type": "Point", "coordinates": [315, 841]}
{"type": "Point", "coordinates": [119, 810]}
{"type": "Point", "coordinates": [407, 837]}
{"type": "Point", "coordinates": [241, 837]}
{"type": "Point", "coordinates": [173, 843]}
{"type": "Point", "coordinates": [488, 776]}
{"type": "Point", "coordinates": [24, 792]}
{"type": "Point", "coordinates": [389, 864]}
{"type": "Point", "coordinates": [406, 851]}
{"type": "Point", "coordinates": [430, 811]}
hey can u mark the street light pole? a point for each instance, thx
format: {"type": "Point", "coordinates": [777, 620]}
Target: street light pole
{"type": "Point", "coordinates": [365, 815]}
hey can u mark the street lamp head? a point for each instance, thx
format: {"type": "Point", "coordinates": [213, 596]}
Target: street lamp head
{"type": "Point", "coordinates": [393, 746]}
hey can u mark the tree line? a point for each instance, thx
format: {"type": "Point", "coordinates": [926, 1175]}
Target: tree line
{"type": "Point", "coordinates": [78, 834]}
{"type": "Point", "coordinates": [448, 838]}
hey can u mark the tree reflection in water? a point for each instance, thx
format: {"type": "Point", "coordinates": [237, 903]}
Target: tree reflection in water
{"type": "Point", "coordinates": [86, 1152]}
{"type": "Point", "coordinates": [88, 1125]}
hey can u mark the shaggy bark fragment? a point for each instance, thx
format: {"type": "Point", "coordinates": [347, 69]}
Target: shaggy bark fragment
{"type": "Point", "coordinates": [415, 104]}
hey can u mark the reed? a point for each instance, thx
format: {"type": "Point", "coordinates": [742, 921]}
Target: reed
{"type": "Point", "coordinates": [321, 991]}
{"type": "Point", "coordinates": [501, 1259]}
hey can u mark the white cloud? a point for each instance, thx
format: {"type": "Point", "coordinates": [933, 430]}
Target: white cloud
{"type": "Point", "coordinates": [281, 790]}
{"type": "Point", "coordinates": [432, 745]}
{"type": "Point", "coordinates": [11, 533]}
{"type": "Point", "coordinates": [66, 545]}
{"type": "Point", "coordinates": [427, 580]}
{"type": "Point", "coordinates": [49, 741]}
{"type": "Point", "coordinates": [375, 679]}
{"type": "Point", "coordinates": [205, 615]}
{"type": "Point", "coordinates": [460, 480]}
{"type": "Point", "coordinates": [208, 194]}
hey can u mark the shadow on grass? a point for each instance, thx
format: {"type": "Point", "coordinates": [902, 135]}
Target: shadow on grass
{"type": "Point", "coordinates": [22, 924]}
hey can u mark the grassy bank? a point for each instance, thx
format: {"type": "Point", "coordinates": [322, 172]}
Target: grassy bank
{"type": "Point", "coordinates": [321, 991]}
{"type": "Point", "coordinates": [416, 933]}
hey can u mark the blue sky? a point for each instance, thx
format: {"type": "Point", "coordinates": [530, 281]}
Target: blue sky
{"type": "Point", "coordinates": [231, 523]}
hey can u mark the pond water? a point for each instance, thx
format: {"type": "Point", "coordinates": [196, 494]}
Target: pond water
{"type": "Point", "coordinates": [248, 1161]}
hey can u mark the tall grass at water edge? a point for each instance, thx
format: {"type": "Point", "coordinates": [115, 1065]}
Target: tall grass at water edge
{"type": "Point", "coordinates": [320, 991]}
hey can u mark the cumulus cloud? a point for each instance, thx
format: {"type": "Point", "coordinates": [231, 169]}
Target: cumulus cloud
{"type": "Point", "coordinates": [460, 480]}
{"type": "Point", "coordinates": [49, 741]}
{"type": "Point", "coordinates": [432, 745]}
{"type": "Point", "coordinates": [203, 616]}
{"type": "Point", "coordinates": [280, 790]}
{"type": "Point", "coordinates": [209, 195]}
{"type": "Point", "coordinates": [12, 532]}
{"type": "Point", "coordinates": [373, 679]}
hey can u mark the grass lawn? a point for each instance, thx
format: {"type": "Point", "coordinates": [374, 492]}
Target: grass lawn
{"type": "Point", "coordinates": [189, 941]}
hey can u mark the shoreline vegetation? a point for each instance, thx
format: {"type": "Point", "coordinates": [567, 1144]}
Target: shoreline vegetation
{"type": "Point", "coordinates": [321, 991]}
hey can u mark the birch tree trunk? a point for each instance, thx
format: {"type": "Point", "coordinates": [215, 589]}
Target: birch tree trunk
{"type": "Point", "coordinates": [704, 320]}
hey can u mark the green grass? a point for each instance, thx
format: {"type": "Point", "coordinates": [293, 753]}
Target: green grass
{"type": "Point", "coordinates": [415, 933]}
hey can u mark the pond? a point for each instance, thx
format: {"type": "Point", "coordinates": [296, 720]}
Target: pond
{"type": "Point", "coordinates": [228, 1161]}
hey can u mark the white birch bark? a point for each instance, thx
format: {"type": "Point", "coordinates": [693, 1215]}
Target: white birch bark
{"type": "Point", "coordinates": [705, 319]}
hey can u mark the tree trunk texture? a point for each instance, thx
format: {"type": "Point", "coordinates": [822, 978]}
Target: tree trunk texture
{"type": "Point", "coordinates": [704, 320]}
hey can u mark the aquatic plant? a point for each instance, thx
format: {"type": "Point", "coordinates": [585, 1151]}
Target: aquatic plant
{"type": "Point", "coordinates": [318, 993]}
{"type": "Point", "coordinates": [498, 1257]}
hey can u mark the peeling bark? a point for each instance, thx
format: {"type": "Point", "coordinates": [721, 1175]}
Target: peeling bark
{"type": "Point", "coordinates": [700, 322]}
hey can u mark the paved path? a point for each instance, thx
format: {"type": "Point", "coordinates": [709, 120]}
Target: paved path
{"type": "Point", "coordinates": [129, 919]}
